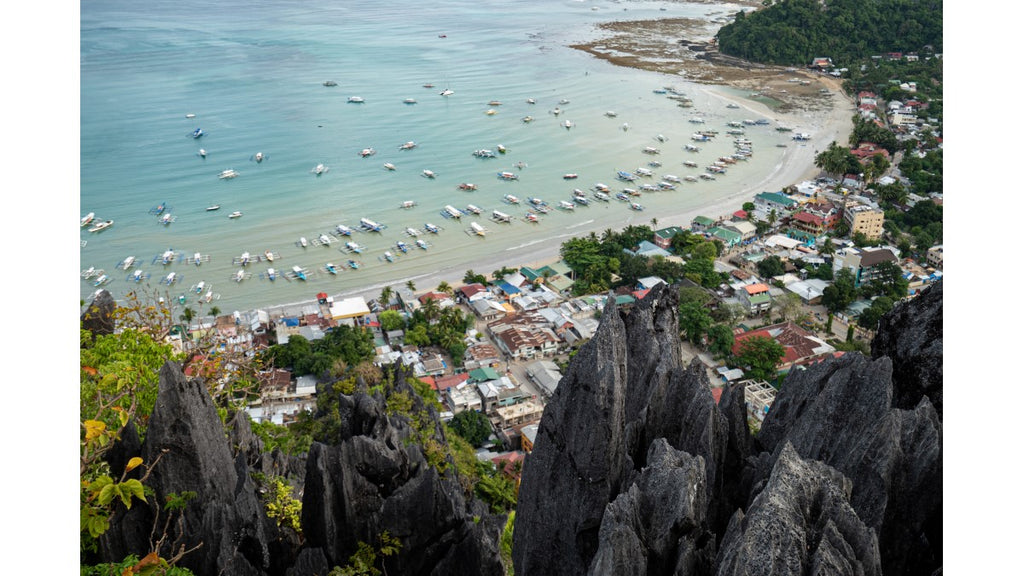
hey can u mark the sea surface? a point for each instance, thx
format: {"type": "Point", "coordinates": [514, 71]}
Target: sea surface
{"type": "Point", "coordinates": [253, 73]}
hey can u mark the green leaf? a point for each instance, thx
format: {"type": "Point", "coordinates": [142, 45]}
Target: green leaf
{"type": "Point", "coordinates": [134, 488]}
{"type": "Point", "coordinates": [107, 494]}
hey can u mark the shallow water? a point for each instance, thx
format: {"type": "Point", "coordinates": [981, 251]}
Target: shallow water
{"type": "Point", "coordinates": [252, 74]}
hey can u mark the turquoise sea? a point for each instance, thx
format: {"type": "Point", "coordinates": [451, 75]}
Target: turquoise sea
{"type": "Point", "coordinates": [253, 73]}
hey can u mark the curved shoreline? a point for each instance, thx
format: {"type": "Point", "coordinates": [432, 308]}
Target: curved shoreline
{"type": "Point", "coordinates": [797, 166]}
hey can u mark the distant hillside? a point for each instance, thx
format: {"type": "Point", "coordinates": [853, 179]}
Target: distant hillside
{"type": "Point", "coordinates": [793, 32]}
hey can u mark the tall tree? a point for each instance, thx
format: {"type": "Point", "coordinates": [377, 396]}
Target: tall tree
{"type": "Point", "coordinates": [760, 355]}
{"type": "Point", "coordinates": [841, 293]}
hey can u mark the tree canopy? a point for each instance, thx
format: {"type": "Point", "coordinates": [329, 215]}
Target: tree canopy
{"type": "Point", "coordinates": [760, 355]}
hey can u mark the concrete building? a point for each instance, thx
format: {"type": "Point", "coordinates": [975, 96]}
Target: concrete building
{"type": "Point", "coordinates": [755, 298]}
{"type": "Point", "coordinates": [350, 310]}
{"type": "Point", "coordinates": [935, 256]}
{"type": "Point", "coordinates": [518, 414]}
{"type": "Point", "coordinates": [759, 397]}
{"type": "Point", "coordinates": [864, 219]}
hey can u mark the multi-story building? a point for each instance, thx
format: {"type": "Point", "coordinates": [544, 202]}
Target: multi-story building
{"type": "Point", "coordinates": [935, 256]}
{"type": "Point", "coordinates": [864, 219]}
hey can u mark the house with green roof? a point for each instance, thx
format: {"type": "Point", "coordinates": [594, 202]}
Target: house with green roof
{"type": "Point", "coordinates": [728, 237]}
{"type": "Point", "coordinates": [484, 374]}
{"type": "Point", "coordinates": [557, 276]}
{"type": "Point", "coordinates": [768, 201]}
{"type": "Point", "coordinates": [701, 224]}
{"type": "Point", "coordinates": [663, 237]}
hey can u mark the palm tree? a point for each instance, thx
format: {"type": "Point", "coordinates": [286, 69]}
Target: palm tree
{"type": "Point", "coordinates": [445, 287]}
{"type": "Point", "coordinates": [431, 309]}
{"type": "Point", "coordinates": [827, 248]}
{"type": "Point", "coordinates": [654, 223]}
{"type": "Point", "coordinates": [411, 286]}
{"type": "Point", "coordinates": [214, 311]}
{"type": "Point", "coordinates": [187, 315]}
{"type": "Point", "coordinates": [772, 218]}
{"type": "Point", "coordinates": [385, 297]}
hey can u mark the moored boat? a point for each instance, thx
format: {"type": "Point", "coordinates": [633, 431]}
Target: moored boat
{"type": "Point", "coordinates": [508, 176]}
{"type": "Point", "coordinates": [235, 214]}
{"type": "Point", "coordinates": [88, 218]}
{"type": "Point", "coordinates": [102, 226]}
{"type": "Point", "coordinates": [227, 174]}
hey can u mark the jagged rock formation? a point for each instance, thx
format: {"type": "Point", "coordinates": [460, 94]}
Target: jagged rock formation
{"type": "Point", "coordinates": [376, 479]}
{"type": "Point", "coordinates": [98, 318]}
{"type": "Point", "coordinates": [373, 478]}
{"type": "Point", "coordinates": [225, 517]}
{"type": "Point", "coordinates": [844, 478]}
{"type": "Point", "coordinates": [911, 336]}
{"type": "Point", "coordinates": [801, 523]}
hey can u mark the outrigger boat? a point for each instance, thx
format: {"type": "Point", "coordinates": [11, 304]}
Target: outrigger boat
{"type": "Point", "coordinates": [88, 218]}
{"type": "Point", "coordinates": [319, 169]}
{"type": "Point", "coordinates": [402, 246]}
{"type": "Point", "coordinates": [299, 272]}
{"type": "Point", "coordinates": [127, 263]}
{"type": "Point", "coordinates": [421, 244]}
{"type": "Point", "coordinates": [330, 268]}
{"type": "Point", "coordinates": [508, 176]}
{"type": "Point", "coordinates": [510, 199]}
{"type": "Point", "coordinates": [473, 209]}
{"type": "Point", "coordinates": [353, 247]}
{"type": "Point", "coordinates": [365, 152]}
{"type": "Point", "coordinates": [412, 232]}
{"type": "Point", "coordinates": [197, 133]}
{"type": "Point", "coordinates": [227, 174]}
{"type": "Point", "coordinates": [343, 230]}
{"type": "Point", "coordinates": [389, 165]}
{"type": "Point", "coordinates": [370, 225]}
{"type": "Point", "coordinates": [431, 228]}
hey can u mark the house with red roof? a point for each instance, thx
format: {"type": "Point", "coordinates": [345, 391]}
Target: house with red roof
{"type": "Point", "coordinates": [801, 346]}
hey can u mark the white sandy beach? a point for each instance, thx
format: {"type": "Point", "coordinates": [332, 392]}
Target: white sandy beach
{"type": "Point", "coordinates": [797, 166]}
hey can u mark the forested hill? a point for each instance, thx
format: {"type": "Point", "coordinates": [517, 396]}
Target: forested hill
{"type": "Point", "coordinates": [793, 32]}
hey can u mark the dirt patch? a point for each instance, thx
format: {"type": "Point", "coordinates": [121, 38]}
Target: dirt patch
{"type": "Point", "coordinates": [684, 47]}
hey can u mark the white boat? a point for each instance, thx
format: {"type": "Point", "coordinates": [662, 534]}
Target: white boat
{"type": "Point", "coordinates": [501, 148]}
{"type": "Point", "coordinates": [531, 217]}
{"type": "Point", "coordinates": [202, 152]}
{"type": "Point", "coordinates": [389, 166]}
{"type": "Point", "coordinates": [447, 92]}
{"type": "Point", "coordinates": [88, 218]}
{"type": "Point", "coordinates": [356, 99]}
{"type": "Point", "coordinates": [197, 258]}
{"type": "Point", "coordinates": [190, 115]}
{"type": "Point", "coordinates": [429, 174]}
{"type": "Point", "coordinates": [388, 256]}
{"type": "Point", "coordinates": [240, 275]}
{"type": "Point", "coordinates": [258, 157]}
{"type": "Point", "coordinates": [570, 176]}
{"type": "Point", "coordinates": [477, 229]}
{"type": "Point", "coordinates": [644, 172]}
{"type": "Point", "coordinates": [412, 232]}
{"type": "Point", "coordinates": [407, 146]}
{"type": "Point", "coordinates": [167, 257]}
{"type": "Point", "coordinates": [235, 214]}
{"type": "Point", "coordinates": [127, 263]}
{"type": "Point", "coordinates": [213, 207]}
{"type": "Point", "coordinates": [171, 278]}
{"type": "Point", "coordinates": [102, 226]}
{"type": "Point", "coordinates": [452, 212]}
{"type": "Point", "coordinates": [611, 114]}
{"type": "Point", "coordinates": [801, 136]}
{"type": "Point", "coordinates": [511, 199]}
{"type": "Point", "coordinates": [671, 178]}
{"type": "Point", "coordinates": [271, 274]}
{"type": "Point", "coordinates": [566, 205]}
{"type": "Point", "coordinates": [651, 150]}
{"type": "Point", "coordinates": [601, 196]}
{"type": "Point", "coordinates": [367, 152]}
{"type": "Point", "coordinates": [353, 247]}
{"type": "Point", "coordinates": [473, 209]}
{"type": "Point", "coordinates": [402, 246]}
{"type": "Point", "coordinates": [499, 216]}
{"type": "Point", "coordinates": [245, 259]}
{"type": "Point", "coordinates": [303, 242]}
{"type": "Point", "coordinates": [431, 228]}
{"type": "Point", "coordinates": [166, 219]}
{"type": "Point", "coordinates": [690, 163]}
{"type": "Point", "coordinates": [484, 153]}
{"type": "Point", "coordinates": [690, 178]}
{"type": "Point", "coordinates": [508, 176]}
{"type": "Point", "coordinates": [636, 206]}
{"type": "Point", "coordinates": [268, 255]}
{"type": "Point", "coordinates": [527, 119]}
{"type": "Point", "coordinates": [421, 244]}
{"type": "Point", "coordinates": [491, 112]}
{"type": "Point", "coordinates": [197, 133]}
{"type": "Point", "coordinates": [581, 200]}
{"type": "Point", "coordinates": [299, 272]}
{"type": "Point", "coordinates": [198, 288]}
{"type": "Point", "coordinates": [227, 174]}
{"type": "Point", "coordinates": [601, 187]}
{"type": "Point", "coordinates": [568, 124]}
{"type": "Point", "coordinates": [343, 230]}
{"type": "Point", "coordinates": [467, 186]}
{"type": "Point", "coordinates": [331, 268]}
{"type": "Point", "coordinates": [370, 225]}
{"type": "Point", "coordinates": [325, 240]}
{"type": "Point", "coordinates": [409, 204]}
{"type": "Point", "coordinates": [101, 280]}
{"type": "Point", "coordinates": [138, 276]}
{"type": "Point", "coordinates": [660, 138]}
{"type": "Point", "coordinates": [319, 169]}
{"type": "Point", "coordinates": [409, 101]}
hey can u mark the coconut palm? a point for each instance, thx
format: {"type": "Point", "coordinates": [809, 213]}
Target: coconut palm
{"type": "Point", "coordinates": [445, 287]}
{"type": "Point", "coordinates": [411, 286]}
{"type": "Point", "coordinates": [385, 296]}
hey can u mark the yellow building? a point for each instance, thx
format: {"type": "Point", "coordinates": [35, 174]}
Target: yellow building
{"type": "Point", "coordinates": [864, 219]}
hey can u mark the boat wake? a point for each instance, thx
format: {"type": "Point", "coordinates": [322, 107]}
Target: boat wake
{"type": "Point", "coordinates": [579, 224]}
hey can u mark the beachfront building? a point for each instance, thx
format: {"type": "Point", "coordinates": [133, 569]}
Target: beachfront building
{"type": "Point", "coordinates": [765, 202]}
{"type": "Point", "coordinates": [350, 311]}
{"type": "Point", "coordinates": [701, 224]}
{"type": "Point", "coordinates": [864, 219]}
{"type": "Point", "coordinates": [744, 228]}
{"type": "Point", "coordinates": [663, 237]}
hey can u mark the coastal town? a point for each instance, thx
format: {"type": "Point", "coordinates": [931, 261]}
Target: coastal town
{"type": "Point", "coordinates": [779, 261]}
{"type": "Point", "coordinates": [402, 425]}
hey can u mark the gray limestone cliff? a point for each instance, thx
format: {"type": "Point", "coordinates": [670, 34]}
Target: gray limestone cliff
{"type": "Point", "coordinates": [845, 476]}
